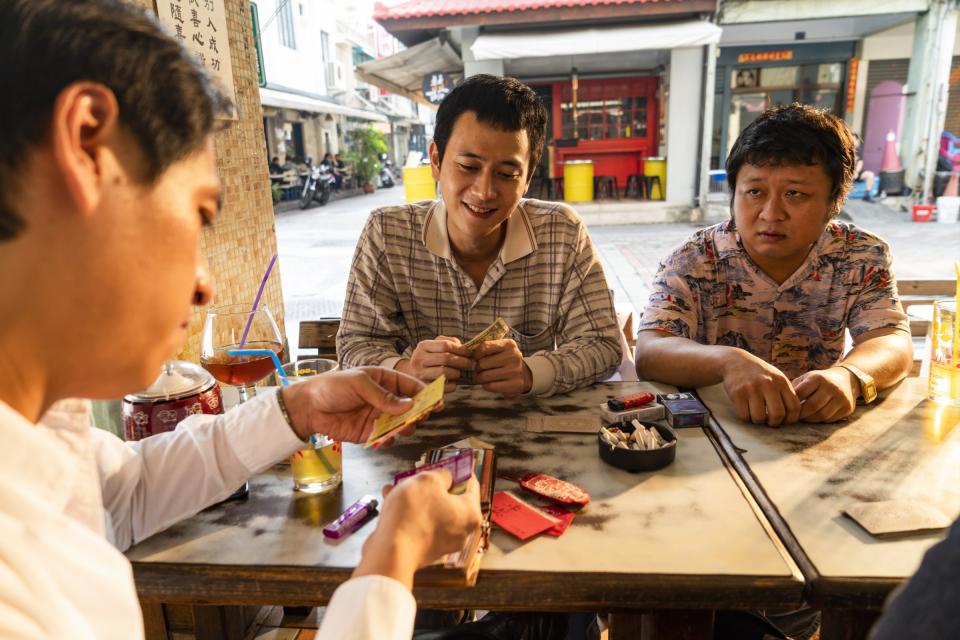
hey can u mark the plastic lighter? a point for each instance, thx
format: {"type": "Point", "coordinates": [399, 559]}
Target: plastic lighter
{"type": "Point", "coordinates": [351, 519]}
{"type": "Point", "coordinates": [629, 402]}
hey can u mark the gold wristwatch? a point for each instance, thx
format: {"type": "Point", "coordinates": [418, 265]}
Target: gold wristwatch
{"type": "Point", "coordinates": [868, 386]}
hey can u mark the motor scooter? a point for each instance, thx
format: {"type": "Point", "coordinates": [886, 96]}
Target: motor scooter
{"type": "Point", "coordinates": [386, 172]}
{"type": "Point", "coordinates": [318, 186]}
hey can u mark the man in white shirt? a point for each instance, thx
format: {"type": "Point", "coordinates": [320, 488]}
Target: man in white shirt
{"type": "Point", "coordinates": [106, 176]}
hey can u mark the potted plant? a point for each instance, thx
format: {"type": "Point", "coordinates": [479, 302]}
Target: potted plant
{"type": "Point", "coordinates": [366, 146]}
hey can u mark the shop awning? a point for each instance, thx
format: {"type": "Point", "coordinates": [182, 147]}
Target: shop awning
{"type": "Point", "coordinates": [284, 100]}
{"type": "Point", "coordinates": [403, 73]}
{"type": "Point", "coordinates": [571, 42]}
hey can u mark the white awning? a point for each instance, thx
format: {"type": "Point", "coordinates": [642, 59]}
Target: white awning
{"type": "Point", "coordinates": [284, 100]}
{"type": "Point", "coordinates": [572, 42]}
{"type": "Point", "coordinates": [403, 73]}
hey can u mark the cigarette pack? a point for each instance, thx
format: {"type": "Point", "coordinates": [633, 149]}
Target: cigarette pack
{"type": "Point", "coordinates": [648, 412]}
{"type": "Point", "coordinates": [684, 410]}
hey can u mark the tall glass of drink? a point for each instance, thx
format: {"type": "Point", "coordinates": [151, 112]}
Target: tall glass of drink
{"type": "Point", "coordinates": [945, 354]}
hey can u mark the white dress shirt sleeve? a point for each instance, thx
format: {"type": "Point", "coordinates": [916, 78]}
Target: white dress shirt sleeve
{"type": "Point", "coordinates": [151, 484]}
{"type": "Point", "coordinates": [369, 608]}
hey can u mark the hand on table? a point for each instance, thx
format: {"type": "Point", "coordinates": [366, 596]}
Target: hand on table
{"type": "Point", "coordinates": [344, 404]}
{"type": "Point", "coordinates": [419, 522]}
{"type": "Point", "coordinates": [501, 369]}
{"type": "Point", "coordinates": [760, 392]}
{"type": "Point", "coordinates": [433, 358]}
{"type": "Point", "coordinates": [827, 395]}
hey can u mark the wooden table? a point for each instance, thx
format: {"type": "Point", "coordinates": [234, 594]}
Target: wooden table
{"type": "Point", "coordinates": [804, 476]}
{"type": "Point", "coordinates": [682, 538]}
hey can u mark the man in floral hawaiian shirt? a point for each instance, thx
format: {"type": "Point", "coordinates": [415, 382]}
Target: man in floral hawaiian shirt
{"type": "Point", "coordinates": [761, 302]}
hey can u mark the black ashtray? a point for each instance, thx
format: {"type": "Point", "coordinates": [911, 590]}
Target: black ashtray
{"type": "Point", "coordinates": [635, 460]}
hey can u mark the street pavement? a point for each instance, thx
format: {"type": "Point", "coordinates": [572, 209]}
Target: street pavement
{"type": "Point", "coordinates": [316, 248]}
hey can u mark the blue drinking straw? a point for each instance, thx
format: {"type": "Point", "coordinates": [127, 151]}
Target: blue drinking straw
{"type": "Point", "coordinates": [284, 382]}
{"type": "Point", "coordinates": [263, 352]}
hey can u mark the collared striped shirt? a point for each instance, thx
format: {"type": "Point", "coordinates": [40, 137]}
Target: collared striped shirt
{"type": "Point", "coordinates": [546, 283]}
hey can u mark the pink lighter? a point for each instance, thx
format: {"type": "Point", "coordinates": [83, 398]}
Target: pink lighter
{"type": "Point", "coordinates": [351, 519]}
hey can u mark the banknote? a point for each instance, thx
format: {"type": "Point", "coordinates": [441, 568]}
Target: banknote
{"type": "Point", "coordinates": [495, 331]}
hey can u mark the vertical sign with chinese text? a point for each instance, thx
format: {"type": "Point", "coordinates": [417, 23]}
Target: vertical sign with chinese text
{"type": "Point", "coordinates": [201, 26]}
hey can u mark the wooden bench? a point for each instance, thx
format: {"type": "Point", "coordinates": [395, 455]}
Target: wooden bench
{"type": "Point", "coordinates": [321, 335]}
{"type": "Point", "coordinates": [917, 298]}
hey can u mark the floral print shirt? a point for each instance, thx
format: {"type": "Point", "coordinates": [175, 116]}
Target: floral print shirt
{"type": "Point", "coordinates": [709, 290]}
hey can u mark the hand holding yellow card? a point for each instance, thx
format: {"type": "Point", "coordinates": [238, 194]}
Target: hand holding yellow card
{"type": "Point", "coordinates": [423, 403]}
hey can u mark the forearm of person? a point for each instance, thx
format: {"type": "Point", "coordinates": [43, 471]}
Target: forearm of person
{"type": "Point", "coordinates": [388, 554]}
{"type": "Point", "coordinates": [364, 350]}
{"type": "Point", "coordinates": [679, 361]}
{"type": "Point", "coordinates": [581, 363]}
{"type": "Point", "coordinates": [152, 484]}
{"type": "Point", "coordinates": [887, 357]}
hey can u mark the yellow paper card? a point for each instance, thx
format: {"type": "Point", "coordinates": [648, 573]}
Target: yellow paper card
{"type": "Point", "coordinates": [423, 403]}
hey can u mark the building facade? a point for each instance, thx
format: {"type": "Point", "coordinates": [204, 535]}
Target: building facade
{"type": "Point", "coordinates": [311, 98]}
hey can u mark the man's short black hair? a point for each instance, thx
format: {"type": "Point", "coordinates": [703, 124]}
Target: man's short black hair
{"type": "Point", "coordinates": [166, 100]}
{"type": "Point", "coordinates": [503, 103]}
{"type": "Point", "coordinates": [797, 135]}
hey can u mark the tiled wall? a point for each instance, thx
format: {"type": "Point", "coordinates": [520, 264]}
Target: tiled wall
{"type": "Point", "coordinates": [239, 246]}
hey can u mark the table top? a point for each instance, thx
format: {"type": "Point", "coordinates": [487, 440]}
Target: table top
{"type": "Point", "coordinates": [902, 447]}
{"type": "Point", "coordinates": [683, 536]}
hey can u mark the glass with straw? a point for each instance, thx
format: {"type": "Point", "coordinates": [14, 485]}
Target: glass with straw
{"type": "Point", "coordinates": [319, 467]}
{"type": "Point", "coordinates": [238, 327]}
{"type": "Point", "coordinates": [944, 386]}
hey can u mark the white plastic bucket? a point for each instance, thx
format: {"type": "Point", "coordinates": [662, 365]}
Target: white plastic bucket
{"type": "Point", "coordinates": [948, 207]}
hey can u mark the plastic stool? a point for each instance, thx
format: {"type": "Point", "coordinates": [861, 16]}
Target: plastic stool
{"type": "Point", "coordinates": [650, 181]}
{"type": "Point", "coordinates": [555, 190]}
{"type": "Point", "coordinates": [606, 184]}
{"type": "Point", "coordinates": [636, 187]}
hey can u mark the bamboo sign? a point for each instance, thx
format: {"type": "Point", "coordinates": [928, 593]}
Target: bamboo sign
{"type": "Point", "coordinates": [201, 26]}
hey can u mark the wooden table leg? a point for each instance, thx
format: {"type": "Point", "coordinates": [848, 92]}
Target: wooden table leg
{"type": "Point", "coordinates": [662, 625]}
{"type": "Point", "coordinates": [219, 623]}
{"type": "Point", "coordinates": [154, 621]}
{"type": "Point", "coordinates": [846, 624]}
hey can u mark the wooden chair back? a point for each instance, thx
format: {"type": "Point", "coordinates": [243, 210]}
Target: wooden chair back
{"type": "Point", "coordinates": [320, 334]}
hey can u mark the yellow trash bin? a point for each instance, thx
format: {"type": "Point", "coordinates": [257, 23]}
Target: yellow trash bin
{"type": "Point", "coordinates": [578, 180]}
{"type": "Point", "coordinates": [656, 167]}
{"type": "Point", "coordinates": [418, 183]}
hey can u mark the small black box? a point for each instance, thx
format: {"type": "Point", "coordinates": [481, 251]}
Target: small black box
{"type": "Point", "coordinates": [684, 410]}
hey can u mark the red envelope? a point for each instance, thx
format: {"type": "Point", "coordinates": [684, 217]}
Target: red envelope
{"type": "Point", "coordinates": [565, 518]}
{"type": "Point", "coordinates": [516, 517]}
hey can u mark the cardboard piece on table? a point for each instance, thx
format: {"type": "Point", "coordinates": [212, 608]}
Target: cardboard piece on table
{"type": "Point", "coordinates": [423, 403]}
{"type": "Point", "coordinates": [893, 517]}
{"type": "Point", "coordinates": [519, 518]}
{"type": "Point", "coordinates": [582, 423]}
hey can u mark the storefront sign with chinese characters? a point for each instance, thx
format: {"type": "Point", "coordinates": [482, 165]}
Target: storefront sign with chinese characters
{"type": "Point", "coordinates": [765, 56]}
{"type": "Point", "coordinates": [436, 86]}
{"type": "Point", "coordinates": [201, 26]}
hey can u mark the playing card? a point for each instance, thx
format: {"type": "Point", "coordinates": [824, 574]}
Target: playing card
{"type": "Point", "coordinates": [423, 403]}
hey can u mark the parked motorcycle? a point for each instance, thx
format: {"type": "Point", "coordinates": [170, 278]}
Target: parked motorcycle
{"type": "Point", "coordinates": [318, 186]}
{"type": "Point", "coordinates": [386, 172]}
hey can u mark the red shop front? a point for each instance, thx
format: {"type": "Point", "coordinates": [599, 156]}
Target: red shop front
{"type": "Point", "coordinates": [616, 125]}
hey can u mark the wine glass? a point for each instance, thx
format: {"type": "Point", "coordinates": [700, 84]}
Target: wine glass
{"type": "Point", "coordinates": [235, 326]}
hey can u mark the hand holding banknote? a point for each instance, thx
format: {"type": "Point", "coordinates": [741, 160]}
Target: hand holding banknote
{"type": "Point", "coordinates": [443, 356]}
{"type": "Point", "coordinates": [501, 368]}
